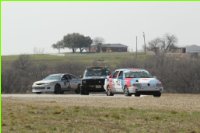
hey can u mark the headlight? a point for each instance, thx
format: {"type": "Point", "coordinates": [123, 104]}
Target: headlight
{"type": "Point", "coordinates": [159, 85]}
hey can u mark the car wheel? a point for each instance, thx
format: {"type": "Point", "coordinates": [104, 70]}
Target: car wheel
{"type": "Point", "coordinates": [78, 89]}
{"type": "Point", "coordinates": [57, 89]}
{"type": "Point", "coordinates": [109, 92]}
{"type": "Point", "coordinates": [38, 92]}
{"type": "Point", "coordinates": [137, 94]}
{"type": "Point", "coordinates": [84, 91]}
{"type": "Point", "coordinates": [157, 94]}
{"type": "Point", "coordinates": [62, 92]}
{"type": "Point", "coordinates": [126, 92]}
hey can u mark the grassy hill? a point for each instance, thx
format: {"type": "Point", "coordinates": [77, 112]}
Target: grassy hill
{"type": "Point", "coordinates": [111, 59]}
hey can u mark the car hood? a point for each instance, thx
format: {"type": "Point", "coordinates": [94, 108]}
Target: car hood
{"type": "Point", "coordinates": [44, 81]}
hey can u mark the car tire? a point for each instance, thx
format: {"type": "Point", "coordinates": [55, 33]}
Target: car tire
{"type": "Point", "coordinates": [84, 91]}
{"type": "Point", "coordinates": [62, 92]}
{"type": "Point", "coordinates": [57, 89]}
{"type": "Point", "coordinates": [157, 94]}
{"type": "Point", "coordinates": [38, 92]}
{"type": "Point", "coordinates": [78, 89]}
{"type": "Point", "coordinates": [109, 92]}
{"type": "Point", "coordinates": [137, 94]}
{"type": "Point", "coordinates": [126, 92]}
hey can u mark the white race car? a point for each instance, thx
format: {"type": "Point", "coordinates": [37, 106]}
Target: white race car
{"type": "Point", "coordinates": [133, 81]}
{"type": "Point", "coordinates": [57, 83]}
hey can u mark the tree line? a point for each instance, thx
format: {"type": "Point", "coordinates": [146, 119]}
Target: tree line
{"type": "Point", "coordinates": [76, 41]}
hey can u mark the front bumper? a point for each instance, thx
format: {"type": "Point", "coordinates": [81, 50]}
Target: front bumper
{"type": "Point", "coordinates": [93, 85]}
{"type": "Point", "coordinates": [94, 88]}
{"type": "Point", "coordinates": [42, 88]}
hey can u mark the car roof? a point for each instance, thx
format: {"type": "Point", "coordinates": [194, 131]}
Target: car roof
{"type": "Point", "coordinates": [131, 69]}
{"type": "Point", "coordinates": [96, 66]}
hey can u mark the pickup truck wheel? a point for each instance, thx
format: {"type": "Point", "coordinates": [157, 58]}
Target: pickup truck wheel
{"type": "Point", "coordinates": [137, 94]}
{"type": "Point", "coordinates": [57, 89]}
{"type": "Point", "coordinates": [109, 92]}
{"type": "Point", "coordinates": [157, 94]}
{"type": "Point", "coordinates": [78, 89]}
{"type": "Point", "coordinates": [84, 91]}
{"type": "Point", "coordinates": [126, 92]}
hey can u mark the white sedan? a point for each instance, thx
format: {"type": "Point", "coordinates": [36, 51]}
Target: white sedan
{"type": "Point", "coordinates": [57, 83]}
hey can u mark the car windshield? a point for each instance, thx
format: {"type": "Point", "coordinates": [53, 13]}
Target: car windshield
{"type": "Point", "coordinates": [53, 77]}
{"type": "Point", "coordinates": [138, 74]}
{"type": "Point", "coordinates": [96, 72]}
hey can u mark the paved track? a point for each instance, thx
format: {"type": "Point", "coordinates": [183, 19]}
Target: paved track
{"type": "Point", "coordinates": [186, 102]}
{"type": "Point", "coordinates": [61, 95]}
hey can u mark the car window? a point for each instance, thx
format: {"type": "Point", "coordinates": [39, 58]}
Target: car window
{"type": "Point", "coordinates": [115, 74]}
{"type": "Point", "coordinates": [120, 74]}
{"type": "Point", "coordinates": [65, 77]}
{"type": "Point", "coordinates": [96, 71]}
{"type": "Point", "coordinates": [138, 74]}
{"type": "Point", "coordinates": [53, 77]}
{"type": "Point", "coordinates": [69, 77]}
{"type": "Point", "coordinates": [73, 77]}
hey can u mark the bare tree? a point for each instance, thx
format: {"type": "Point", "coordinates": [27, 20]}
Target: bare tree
{"type": "Point", "coordinates": [163, 45]}
{"type": "Point", "coordinates": [154, 45]}
{"type": "Point", "coordinates": [22, 63]}
{"type": "Point", "coordinates": [99, 41]}
{"type": "Point", "coordinates": [169, 43]}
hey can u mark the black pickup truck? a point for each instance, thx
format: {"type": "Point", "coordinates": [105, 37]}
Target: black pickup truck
{"type": "Point", "coordinates": [93, 80]}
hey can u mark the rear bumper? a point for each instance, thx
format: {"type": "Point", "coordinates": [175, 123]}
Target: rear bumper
{"type": "Point", "coordinates": [134, 90]}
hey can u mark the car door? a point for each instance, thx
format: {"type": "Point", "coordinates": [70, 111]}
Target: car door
{"type": "Point", "coordinates": [119, 82]}
{"type": "Point", "coordinates": [114, 80]}
{"type": "Point", "coordinates": [65, 82]}
{"type": "Point", "coordinates": [73, 82]}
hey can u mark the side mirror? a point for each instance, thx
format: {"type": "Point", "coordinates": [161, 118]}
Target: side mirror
{"type": "Point", "coordinates": [80, 76]}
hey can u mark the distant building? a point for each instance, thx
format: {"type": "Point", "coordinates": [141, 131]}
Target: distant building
{"type": "Point", "coordinates": [179, 50]}
{"type": "Point", "coordinates": [193, 49]}
{"type": "Point", "coordinates": [109, 48]}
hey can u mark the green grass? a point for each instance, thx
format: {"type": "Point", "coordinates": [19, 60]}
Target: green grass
{"type": "Point", "coordinates": [111, 59]}
{"type": "Point", "coordinates": [29, 117]}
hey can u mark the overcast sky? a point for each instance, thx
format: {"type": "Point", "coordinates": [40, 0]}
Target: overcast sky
{"type": "Point", "coordinates": [29, 25]}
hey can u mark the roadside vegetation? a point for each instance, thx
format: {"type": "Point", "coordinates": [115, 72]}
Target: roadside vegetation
{"type": "Point", "coordinates": [179, 73]}
{"type": "Point", "coordinates": [61, 114]}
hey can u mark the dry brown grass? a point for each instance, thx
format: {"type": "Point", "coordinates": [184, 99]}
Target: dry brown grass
{"type": "Point", "coordinates": [72, 113]}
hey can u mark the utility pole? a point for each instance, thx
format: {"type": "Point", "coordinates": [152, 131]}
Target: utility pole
{"type": "Point", "coordinates": [136, 46]}
{"type": "Point", "coordinates": [145, 48]}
